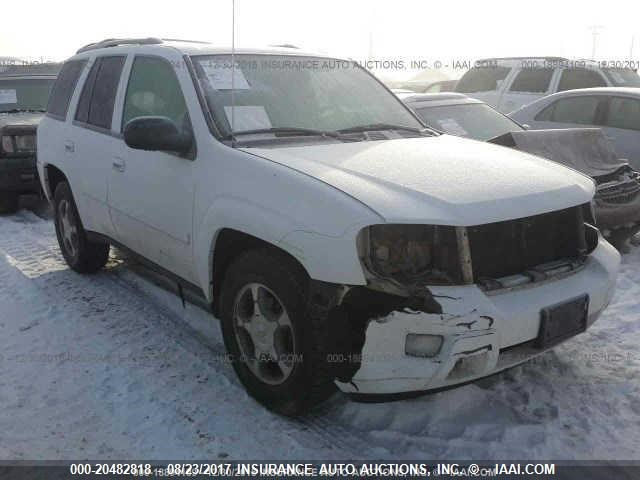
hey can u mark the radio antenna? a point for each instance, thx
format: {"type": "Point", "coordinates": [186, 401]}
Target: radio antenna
{"type": "Point", "coordinates": [233, 72]}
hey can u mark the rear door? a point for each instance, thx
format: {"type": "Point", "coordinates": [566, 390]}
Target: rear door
{"type": "Point", "coordinates": [577, 111]}
{"type": "Point", "coordinates": [528, 85]}
{"type": "Point", "coordinates": [94, 141]}
{"type": "Point", "coordinates": [622, 126]}
{"type": "Point", "coordinates": [151, 194]}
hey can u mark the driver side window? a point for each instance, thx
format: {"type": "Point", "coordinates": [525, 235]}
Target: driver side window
{"type": "Point", "coordinates": [154, 90]}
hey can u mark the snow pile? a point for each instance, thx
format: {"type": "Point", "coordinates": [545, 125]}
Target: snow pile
{"type": "Point", "coordinates": [113, 367]}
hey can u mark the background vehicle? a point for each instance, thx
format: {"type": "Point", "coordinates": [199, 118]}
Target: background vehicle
{"type": "Point", "coordinates": [617, 199]}
{"type": "Point", "coordinates": [24, 93]}
{"type": "Point", "coordinates": [615, 110]}
{"type": "Point", "coordinates": [510, 83]}
{"type": "Point", "coordinates": [457, 114]}
{"type": "Point", "coordinates": [311, 209]}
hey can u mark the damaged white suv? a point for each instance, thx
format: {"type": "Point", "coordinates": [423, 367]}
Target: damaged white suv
{"type": "Point", "coordinates": [339, 241]}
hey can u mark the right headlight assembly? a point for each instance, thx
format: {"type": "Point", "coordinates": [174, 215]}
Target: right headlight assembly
{"type": "Point", "coordinates": [411, 254]}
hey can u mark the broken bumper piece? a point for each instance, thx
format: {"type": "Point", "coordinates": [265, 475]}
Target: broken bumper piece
{"type": "Point", "coordinates": [481, 333]}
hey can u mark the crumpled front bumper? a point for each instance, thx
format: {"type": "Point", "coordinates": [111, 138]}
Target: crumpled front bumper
{"type": "Point", "coordinates": [483, 332]}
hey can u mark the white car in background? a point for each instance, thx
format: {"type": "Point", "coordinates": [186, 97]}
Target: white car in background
{"type": "Point", "coordinates": [340, 242]}
{"type": "Point", "coordinates": [510, 83]}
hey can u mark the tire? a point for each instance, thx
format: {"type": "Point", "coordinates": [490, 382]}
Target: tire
{"type": "Point", "coordinates": [309, 381]}
{"type": "Point", "coordinates": [81, 254]}
{"type": "Point", "coordinates": [8, 202]}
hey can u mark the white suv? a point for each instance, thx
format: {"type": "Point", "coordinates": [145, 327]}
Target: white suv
{"type": "Point", "coordinates": [510, 83]}
{"type": "Point", "coordinates": [339, 241]}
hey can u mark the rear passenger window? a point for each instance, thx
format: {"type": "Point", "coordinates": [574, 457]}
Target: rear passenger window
{"type": "Point", "coordinates": [579, 110]}
{"type": "Point", "coordinates": [482, 79]}
{"type": "Point", "coordinates": [575, 78]}
{"type": "Point", "coordinates": [99, 93]}
{"type": "Point", "coordinates": [624, 113]}
{"type": "Point", "coordinates": [532, 80]}
{"type": "Point", "coordinates": [64, 87]}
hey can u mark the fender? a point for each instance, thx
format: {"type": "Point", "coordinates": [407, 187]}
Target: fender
{"type": "Point", "coordinates": [312, 249]}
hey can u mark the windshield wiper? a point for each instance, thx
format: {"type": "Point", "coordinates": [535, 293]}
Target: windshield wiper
{"type": "Point", "coordinates": [290, 131]}
{"type": "Point", "coordinates": [387, 126]}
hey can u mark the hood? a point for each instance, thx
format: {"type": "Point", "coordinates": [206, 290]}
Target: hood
{"type": "Point", "coordinates": [585, 149]}
{"type": "Point", "coordinates": [22, 119]}
{"type": "Point", "coordinates": [442, 180]}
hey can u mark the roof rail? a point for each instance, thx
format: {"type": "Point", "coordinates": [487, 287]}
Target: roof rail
{"type": "Point", "coordinates": [114, 42]}
{"type": "Point", "coordinates": [184, 41]}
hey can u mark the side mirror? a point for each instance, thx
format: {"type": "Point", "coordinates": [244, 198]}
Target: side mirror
{"type": "Point", "coordinates": [526, 126]}
{"type": "Point", "coordinates": [156, 134]}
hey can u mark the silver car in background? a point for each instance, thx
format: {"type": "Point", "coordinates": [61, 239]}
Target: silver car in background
{"type": "Point", "coordinates": [614, 110]}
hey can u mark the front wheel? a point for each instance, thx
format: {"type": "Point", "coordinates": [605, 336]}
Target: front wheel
{"type": "Point", "coordinates": [81, 254]}
{"type": "Point", "coordinates": [277, 346]}
{"type": "Point", "coordinates": [8, 202]}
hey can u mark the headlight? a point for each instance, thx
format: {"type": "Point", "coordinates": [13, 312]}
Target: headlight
{"type": "Point", "coordinates": [18, 143]}
{"type": "Point", "coordinates": [411, 254]}
{"type": "Point", "coordinates": [25, 143]}
{"type": "Point", "coordinates": [7, 144]}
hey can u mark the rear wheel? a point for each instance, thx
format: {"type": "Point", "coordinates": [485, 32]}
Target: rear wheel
{"type": "Point", "coordinates": [277, 345]}
{"type": "Point", "coordinates": [81, 254]}
{"type": "Point", "coordinates": [8, 202]}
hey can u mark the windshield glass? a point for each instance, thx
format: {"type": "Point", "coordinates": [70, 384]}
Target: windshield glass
{"type": "Point", "coordinates": [473, 120]}
{"type": "Point", "coordinates": [24, 94]}
{"type": "Point", "coordinates": [272, 91]}
{"type": "Point", "coordinates": [623, 77]}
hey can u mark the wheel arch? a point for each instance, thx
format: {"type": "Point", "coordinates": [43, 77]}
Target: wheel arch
{"type": "Point", "coordinates": [53, 176]}
{"type": "Point", "coordinates": [228, 245]}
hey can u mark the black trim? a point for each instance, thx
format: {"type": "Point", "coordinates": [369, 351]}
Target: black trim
{"type": "Point", "coordinates": [151, 265]}
{"type": "Point", "coordinates": [208, 116]}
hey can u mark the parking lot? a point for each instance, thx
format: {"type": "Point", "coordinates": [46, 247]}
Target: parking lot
{"type": "Point", "coordinates": [112, 366]}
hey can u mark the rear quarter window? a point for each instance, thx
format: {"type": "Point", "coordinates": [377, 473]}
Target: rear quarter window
{"type": "Point", "coordinates": [64, 87]}
{"type": "Point", "coordinates": [486, 79]}
{"type": "Point", "coordinates": [624, 113]}
{"type": "Point", "coordinates": [575, 78]}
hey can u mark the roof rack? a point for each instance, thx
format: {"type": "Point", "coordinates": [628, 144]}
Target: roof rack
{"type": "Point", "coordinates": [114, 42]}
{"type": "Point", "coordinates": [184, 41]}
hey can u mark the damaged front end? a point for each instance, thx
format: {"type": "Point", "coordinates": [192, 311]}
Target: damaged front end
{"type": "Point", "coordinates": [443, 303]}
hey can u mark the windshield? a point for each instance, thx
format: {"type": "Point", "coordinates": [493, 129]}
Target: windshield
{"type": "Point", "coordinates": [272, 92]}
{"type": "Point", "coordinates": [623, 77]}
{"type": "Point", "coordinates": [24, 94]}
{"type": "Point", "coordinates": [473, 120]}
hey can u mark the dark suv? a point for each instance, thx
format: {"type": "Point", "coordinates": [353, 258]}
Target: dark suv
{"type": "Point", "coordinates": [24, 93]}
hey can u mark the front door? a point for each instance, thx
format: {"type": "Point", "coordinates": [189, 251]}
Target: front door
{"type": "Point", "coordinates": [151, 194]}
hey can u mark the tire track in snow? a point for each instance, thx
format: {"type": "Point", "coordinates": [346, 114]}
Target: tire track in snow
{"type": "Point", "coordinates": [35, 254]}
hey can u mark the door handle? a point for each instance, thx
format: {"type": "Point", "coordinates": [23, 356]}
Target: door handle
{"type": "Point", "coordinates": [118, 164]}
{"type": "Point", "coordinates": [69, 146]}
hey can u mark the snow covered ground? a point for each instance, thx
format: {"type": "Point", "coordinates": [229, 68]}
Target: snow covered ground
{"type": "Point", "coordinates": [113, 367]}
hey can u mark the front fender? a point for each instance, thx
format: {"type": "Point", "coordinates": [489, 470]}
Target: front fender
{"type": "Point", "coordinates": [325, 257]}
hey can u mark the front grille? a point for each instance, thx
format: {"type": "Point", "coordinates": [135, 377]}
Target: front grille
{"type": "Point", "coordinates": [513, 247]}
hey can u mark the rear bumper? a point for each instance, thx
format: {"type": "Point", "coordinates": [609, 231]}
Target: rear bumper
{"type": "Point", "coordinates": [482, 333]}
{"type": "Point", "coordinates": [19, 175]}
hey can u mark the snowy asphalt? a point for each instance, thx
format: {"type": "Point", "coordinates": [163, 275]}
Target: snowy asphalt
{"type": "Point", "coordinates": [113, 367]}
